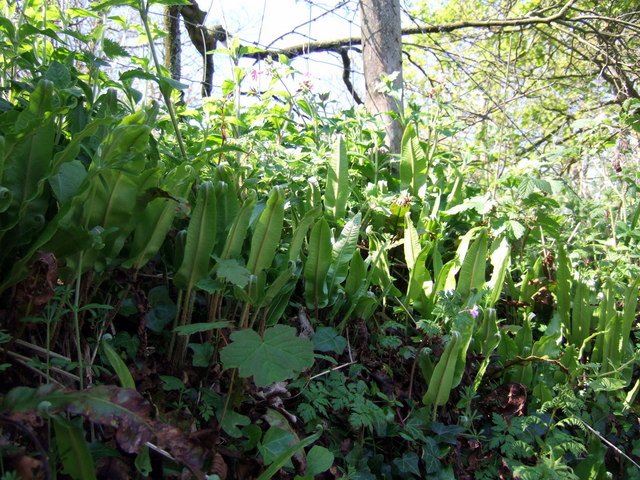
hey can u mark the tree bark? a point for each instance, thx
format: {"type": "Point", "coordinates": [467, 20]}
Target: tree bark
{"type": "Point", "coordinates": [382, 54]}
{"type": "Point", "coordinates": [172, 45]}
{"type": "Point", "coordinates": [204, 39]}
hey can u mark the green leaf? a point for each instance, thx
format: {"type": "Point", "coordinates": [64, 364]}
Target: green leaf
{"type": "Point", "coordinates": [327, 339]}
{"type": "Point", "coordinates": [441, 381]}
{"type": "Point", "coordinates": [357, 275]}
{"type": "Point", "coordinates": [73, 450]}
{"type": "Point", "coordinates": [163, 308]}
{"type": "Point", "coordinates": [233, 272]}
{"type": "Point", "coordinates": [58, 74]}
{"type": "Point", "coordinates": [267, 234]}
{"type": "Point", "coordinates": [408, 463]}
{"type": "Point", "coordinates": [170, 2]}
{"type": "Point", "coordinates": [413, 161]}
{"type": "Point", "coordinates": [124, 375]}
{"type": "Point", "coordinates": [239, 228]}
{"type": "Point", "coordinates": [279, 355]}
{"type": "Point", "coordinates": [171, 383]}
{"type": "Point", "coordinates": [412, 246]}
{"type": "Point", "coordinates": [430, 456]}
{"type": "Point", "coordinates": [337, 190]}
{"type": "Point", "coordinates": [113, 49]}
{"type": "Point", "coordinates": [342, 252]}
{"type": "Point", "coordinates": [500, 260]}
{"type": "Point", "coordinates": [563, 289]}
{"type": "Point", "coordinates": [202, 354]}
{"type": "Point", "coordinates": [472, 273]}
{"type": "Point", "coordinates": [319, 459]}
{"type": "Point", "coordinates": [201, 237]}
{"type": "Point", "coordinates": [107, 4]}
{"type": "Point", "coordinates": [344, 247]}
{"type": "Point", "coordinates": [284, 457]}
{"type": "Point", "coordinates": [517, 229]}
{"type": "Point", "coordinates": [274, 443]}
{"type": "Point", "coordinates": [317, 266]}
{"type": "Point", "coordinates": [300, 231]}
{"type": "Point", "coordinates": [67, 181]}
{"type": "Point", "coordinates": [201, 327]}
{"type": "Point", "coordinates": [419, 277]}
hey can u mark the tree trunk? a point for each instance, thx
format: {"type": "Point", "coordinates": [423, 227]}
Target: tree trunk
{"type": "Point", "coordinates": [382, 53]}
{"type": "Point", "coordinates": [172, 45]}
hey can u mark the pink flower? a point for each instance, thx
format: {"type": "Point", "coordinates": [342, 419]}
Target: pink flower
{"type": "Point", "coordinates": [474, 312]}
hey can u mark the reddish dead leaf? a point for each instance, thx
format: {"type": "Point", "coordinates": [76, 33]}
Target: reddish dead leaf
{"type": "Point", "coordinates": [113, 468]}
{"type": "Point", "coordinates": [29, 468]}
{"type": "Point", "coordinates": [39, 287]}
{"type": "Point", "coordinates": [173, 440]}
{"type": "Point", "coordinates": [219, 467]}
{"type": "Point", "coordinates": [508, 400]}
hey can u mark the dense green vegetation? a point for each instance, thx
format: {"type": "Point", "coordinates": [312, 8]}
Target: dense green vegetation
{"type": "Point", "coordinates": [255, 289]}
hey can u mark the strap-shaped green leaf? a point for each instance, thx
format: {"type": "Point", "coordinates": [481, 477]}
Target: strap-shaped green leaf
{"type": "Point", "coordinates": [317, 265]}
{"type": "Point", "coordinates": [563, 289]}
{"type": "Point", "coordinates": [413, 161]}
{"type": "Point", "coordinates": [301, 230]}
{"type": "Point", "coordinates": [419, 276]}
{"type": "Point", "coordinates": [412, 246]}
{"type": "Point", "coordinates": [500, 260]}
{"type": "Point", "coordinates": [267, 233]}
{"type": "Point", "coordinates": [201, 238]}
{"type": "Point", "coordinates": [73, 450]}
{"type": "Point", "coordinates": [337, 190]}
{"type": "Point", "coordinates": [472, 273]}
{"type": "Point", "coordinates": [238, 232]}
{"type": "Point", "coordinates": [156, 219]}
{"type": "Point", "coordinates": [342, 252]}
{"type": "Point", "coordinates": [442, 377]}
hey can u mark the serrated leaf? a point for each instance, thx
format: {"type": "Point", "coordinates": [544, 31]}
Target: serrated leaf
{"type": "Point", "coordinates": [279, 355]}
{"type": "Point", "coordinates": [113, 49]}
{"type": "Point", "coordinates": [517, 228]}
{"type": "Point", "coordinates": [233, 272]}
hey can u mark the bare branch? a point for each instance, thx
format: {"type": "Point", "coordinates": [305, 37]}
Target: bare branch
{"type": "Point", "coordinates": [346, 75]}
{"type": "Point", "coordinates": [340, 43]}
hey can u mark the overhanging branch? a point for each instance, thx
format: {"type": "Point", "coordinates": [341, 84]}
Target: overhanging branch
{"type": "Point", "coordinates": [339, 44]}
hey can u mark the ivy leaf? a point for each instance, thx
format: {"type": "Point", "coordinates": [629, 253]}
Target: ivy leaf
{"type": "Point", "coordinates": [327, 339]}
{"type": "Point", "coordinates": [408, 463]}
{"type": "Point", "coordinates": [275, 442]}
{"type": "Point", "coordinates": [276, 357]}
{"type": "Point", "coordinates": [430, 454]}
{"type": "Point", "coordinates": [446, 433]}
{"type": "Point", "coordinates": [202, 354]}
